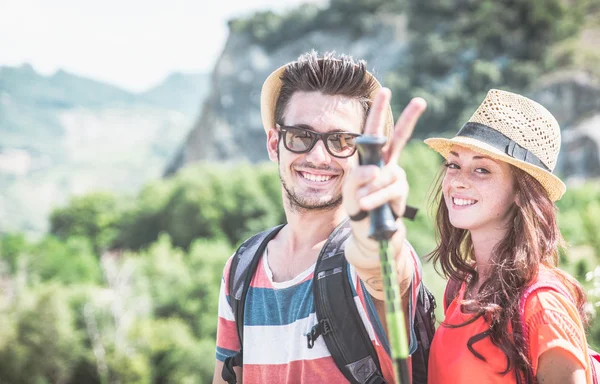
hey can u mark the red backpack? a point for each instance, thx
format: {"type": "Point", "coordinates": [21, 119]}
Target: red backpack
{"type": "Point", "coordinates": [453, 287]}
{"type": "Point", "coordinates": [594, 356]}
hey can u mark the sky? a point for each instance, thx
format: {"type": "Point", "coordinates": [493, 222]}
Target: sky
{"type": "Point", "coordinates": [133, 44]}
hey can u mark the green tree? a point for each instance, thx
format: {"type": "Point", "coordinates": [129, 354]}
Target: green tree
{"type": "Point", "coordinates": [204, 201]}
{"type": "Point", "coordinates": [66, 261]}
{"type": "Point", "coordinates": [12, 245]}
{"type": "Point", "coordinates": [177, 356]}
{"type": "Point", "coordinates": [38, 341]}
{"type": "Point", "coordinates": [462, 48]}
{"type": "Point", "coordinates": [94, 216]}
{"type": "Point", "coordinates": [141, 224]}
{"type": "Point", "coordinates": [579, 217]}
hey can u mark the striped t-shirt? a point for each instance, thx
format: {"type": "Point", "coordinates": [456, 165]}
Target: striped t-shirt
{"type": "Point", "coordinates": [278, 315]}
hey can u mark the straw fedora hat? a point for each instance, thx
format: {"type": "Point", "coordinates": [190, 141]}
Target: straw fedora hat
{"type": "Point", "coordinates": [272, 87]}
{"type": "Point", "coordinates": [513, 129]}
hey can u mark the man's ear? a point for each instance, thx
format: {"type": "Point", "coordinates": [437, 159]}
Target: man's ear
{"type": "Point", "coordinates": [272, 143]}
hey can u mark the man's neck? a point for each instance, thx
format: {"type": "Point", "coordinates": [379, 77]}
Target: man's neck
{"type": "Point", "coordinates": [309, 227]}
{"type": "Point", "coordinates": [299, 243]}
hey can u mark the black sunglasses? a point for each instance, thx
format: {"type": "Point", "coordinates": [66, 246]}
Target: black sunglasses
{"type": "Point", "coordinates": [301, 140]}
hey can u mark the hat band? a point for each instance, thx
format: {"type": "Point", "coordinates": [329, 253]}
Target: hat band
{"type": "Point", "coordinates": [497, 140]}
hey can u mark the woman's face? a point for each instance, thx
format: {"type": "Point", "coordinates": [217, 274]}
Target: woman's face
{"type": "Point", "coordinates": [478, 190]}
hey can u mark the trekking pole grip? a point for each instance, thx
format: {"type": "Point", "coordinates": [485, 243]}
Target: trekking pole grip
{"type": "Point", "coordinates": [383, 222]}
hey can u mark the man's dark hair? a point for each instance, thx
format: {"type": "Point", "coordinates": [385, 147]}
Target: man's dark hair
{"type": "Point", "coordinates": [331, 75]}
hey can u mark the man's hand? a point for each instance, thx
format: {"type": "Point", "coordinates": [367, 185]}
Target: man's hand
{"type": "Point", "coordinates": [368, 187]}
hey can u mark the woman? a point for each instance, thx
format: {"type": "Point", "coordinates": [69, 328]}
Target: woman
{"type": "Point", "coordinates": [498, 235]}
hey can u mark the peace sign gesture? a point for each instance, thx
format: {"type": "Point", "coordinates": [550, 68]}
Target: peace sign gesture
{"type": "Point", "coordinates": [368, 187]}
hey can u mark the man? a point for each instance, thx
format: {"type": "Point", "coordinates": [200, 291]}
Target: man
{"type": "Point", "coordinates": [312, 111]}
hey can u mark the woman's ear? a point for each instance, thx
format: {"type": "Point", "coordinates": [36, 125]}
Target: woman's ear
{"type": "Point", "coordinates": [272, 144]}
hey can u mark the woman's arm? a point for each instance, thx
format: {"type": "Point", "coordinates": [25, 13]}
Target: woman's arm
{"type": "Point", "coordinates": [557, 366]}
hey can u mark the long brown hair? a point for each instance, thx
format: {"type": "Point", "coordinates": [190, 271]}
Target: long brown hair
{"type": "Point", "coordinates": [532, 240]}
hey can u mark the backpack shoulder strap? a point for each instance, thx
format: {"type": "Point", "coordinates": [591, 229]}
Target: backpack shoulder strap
{"type": "Point", "coordinates": [424, 326]}
{"type": "Point", "coordinates": [539, 284]}
{"type": "Point", "coordinates": [551, 284]}
{"type": "Point", "coordinates": [544, 283]}
{"type": "Point", "coordinates": [339, 322]}
{"type": "Point", "coordinates": [241, 270]}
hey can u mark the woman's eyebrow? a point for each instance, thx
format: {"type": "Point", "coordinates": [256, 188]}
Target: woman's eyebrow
{"type": "Point", "coordinates": [476, 157]}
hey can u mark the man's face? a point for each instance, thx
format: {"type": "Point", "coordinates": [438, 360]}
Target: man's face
{"type": "Point", "coordinates": [314, 180]}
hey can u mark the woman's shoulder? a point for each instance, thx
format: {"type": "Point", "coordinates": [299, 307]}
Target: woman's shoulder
{"type": "Point", "coordinates": [551, 320]}
{"type": "Point", "coordinates": [547, 299]}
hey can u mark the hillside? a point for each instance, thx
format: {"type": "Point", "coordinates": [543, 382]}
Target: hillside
{"type": "Point", "coordinates": [450, 53]}
{"type": "Point", "coordinates": [64, 134]}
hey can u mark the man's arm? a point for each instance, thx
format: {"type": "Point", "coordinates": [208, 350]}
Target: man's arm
{"type": "Point", "coordinates": [217, 374]}
{"type": "Point", "coordinates": [227, 337]}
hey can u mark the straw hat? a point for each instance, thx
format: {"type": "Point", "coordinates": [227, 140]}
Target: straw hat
{"type": "Point", "coordinates": [513, 129]}
{"type": "Point", "coordinates": [272, 87]}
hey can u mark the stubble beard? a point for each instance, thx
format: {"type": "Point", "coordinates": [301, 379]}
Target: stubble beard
{"type": "Point", "coordinates": [299, 203]}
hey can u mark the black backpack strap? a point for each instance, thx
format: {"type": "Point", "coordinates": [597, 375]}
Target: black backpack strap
{"type": "Point", "coordinates": [338, 319]}
{"type": "Point", "coordinates": [424, 325]}
{"type": "Point", "coordinates": [228, 374]}
{"type": "Point", "coordinates": [241, 270]}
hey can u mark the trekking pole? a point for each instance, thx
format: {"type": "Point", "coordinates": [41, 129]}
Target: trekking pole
{"type": "Point", "coordinates": [382, 228]}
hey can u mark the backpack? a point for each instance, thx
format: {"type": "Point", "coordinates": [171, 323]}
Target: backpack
{"type": "Point", "coordinates": [339, 322]}
{"type": "Point", "coordinates": [594, 356]}
{"type": "Point", "coordinates": [453, 287]}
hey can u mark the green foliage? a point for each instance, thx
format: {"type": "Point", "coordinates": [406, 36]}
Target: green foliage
{"type": "Point", "coordinates": [69, 261]}
{"type": "Point", "coordinates": [11, 247]}
{"type": "Point", "coordinates": [579, 216]}
{"type": "Point", "coordinates": [461, 49]}
{"type": "Point", "coordinates": [184, 285]}
{"type": "Point", "coordinates": [421, 165]}
{"type": "Point", "coordinates": [580, 52]}
{"type": "Point", "coordinates": [593, 279]}
{"type": "Point", "coordinates": [93, 216]}
{"type": "Point", "coordinates": [207, 258]}
{"type": "Point", "coordinates": [38, 343]}
{"type": "Point", "coordinates": [153, 320]}
{"type": "Point", "coordinates": [141, 225]}
{"type": "Point", "coordinates": [205, 201]}
{"type": "Point", "coordinates": [354, 17]}
{"type": "Point", "coordinates": [148, 315]}
{"type": "Point", "coordinates": [177, 356]}
{"type": "Point", "coordinates": [168, 281]}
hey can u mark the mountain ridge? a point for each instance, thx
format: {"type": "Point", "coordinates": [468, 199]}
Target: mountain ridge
{"type": "Point", "coordinates": [64, 134]}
